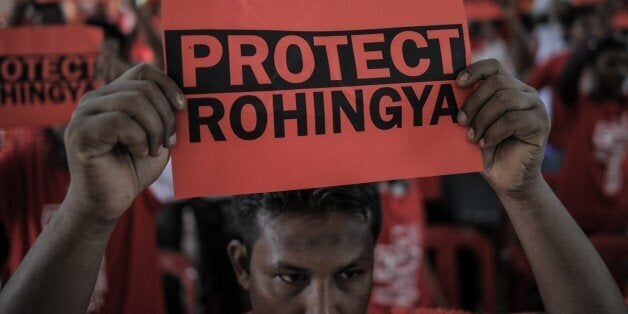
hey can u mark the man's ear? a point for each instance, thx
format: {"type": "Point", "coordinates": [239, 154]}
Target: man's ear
{"type": "Point", "coordinates": [240, 261]}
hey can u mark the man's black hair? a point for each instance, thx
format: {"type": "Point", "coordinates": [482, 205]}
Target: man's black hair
{"type": "Point", "coordinates": [361, 200]}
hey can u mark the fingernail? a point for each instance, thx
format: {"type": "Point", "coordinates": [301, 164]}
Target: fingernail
{"type": "Point", "coordinates": [470, 134]}
{"type": "Point", "coordinates": [172, 140]}
{"type": "Point", "coordinates": [463, 77]}
{"type": "Point", "coordinates": [462, 117]}
{"type": "Point", "coordinates": [145, 153]}
{"type": "Point", "coordinates": [482, 143]}
{"type": "Point", "coordinates": [181, 100]}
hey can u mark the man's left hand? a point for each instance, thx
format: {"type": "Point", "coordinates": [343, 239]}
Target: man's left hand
{"type": "Point", "coordinates": [509, 122]}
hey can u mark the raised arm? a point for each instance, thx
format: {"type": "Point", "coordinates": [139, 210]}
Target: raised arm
{"type": "Point", "coordinates": [522, 49]}
{"type": "Point", "coordinates": [144, 24]}
{"type": "Point", "coordinates": [117, 144]}
{"type": "Point", "coordinates": [511, 126]}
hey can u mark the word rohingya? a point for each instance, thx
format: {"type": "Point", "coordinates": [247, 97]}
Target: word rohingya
{"type": "Point", "coordinates": [315, 110]}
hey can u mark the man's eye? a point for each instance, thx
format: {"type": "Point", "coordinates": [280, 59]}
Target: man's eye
{"type": "Point", "coordinates": [293, 278]}
{"type": "Point", "coordinates": [349, 275]}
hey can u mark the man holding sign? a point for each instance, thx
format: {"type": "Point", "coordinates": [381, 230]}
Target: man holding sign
{"type": "Point", "coordinates": [113, 157]}
{"type": "Point", "coordinates": [257, 122]}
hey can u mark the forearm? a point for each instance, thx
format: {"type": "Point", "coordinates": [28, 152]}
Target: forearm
{"type": "Point", "coordinates": [571, 276]}
{"type": "Point", "coordinates": [522, 49]}
{"type": "Point", "coordinates": [59, 272]}
{"type": "Point", "coordinates": [153, 39]}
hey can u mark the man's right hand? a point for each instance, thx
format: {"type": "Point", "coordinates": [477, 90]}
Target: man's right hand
{"type": "Point", "coordinates": [118, 141]}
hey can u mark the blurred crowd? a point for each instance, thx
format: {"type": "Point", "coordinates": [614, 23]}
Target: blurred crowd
{"type": "Point", "coordinates": [445, 241]}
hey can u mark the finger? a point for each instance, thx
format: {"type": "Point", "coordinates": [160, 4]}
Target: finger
{"type": "Point", "coordinates": [97, 135]}
{"type": "Point", "coordinates": [137, 106]}
{"type": "Point", "coordinates": [479, 71]}
{"type": "Point", "coordinates": [502, 102]}
{"type": "Point", "coordinates": [485, 91]}
{"type": "Point", "coordinates": [526, 126]}
{"type": "Point", "coordinates": [494, 135]}
{"type": "Point", "coordinates": [170, 89]}
{"type": "Point", "coordinates": [133, 136]}
{"type": "Point", "coordinates": [157, 99]}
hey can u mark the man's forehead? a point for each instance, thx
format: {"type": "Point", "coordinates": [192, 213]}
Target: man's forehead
{"type": "Point", "coordinates": [332, 227]}
{"type": "Point", "coordinates": [305, 239]}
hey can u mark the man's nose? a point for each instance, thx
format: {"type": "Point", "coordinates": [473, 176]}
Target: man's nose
{"type": "Point", "coordinates": [321, 298]}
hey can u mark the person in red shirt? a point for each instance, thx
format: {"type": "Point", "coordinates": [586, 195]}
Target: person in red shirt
{"type": "Point", "coordinates": [302, 252]}
{"type": "Point", "coordinates": [580, 22]}
{"type": "Point", "coordinates": [547, 74]}
{"type": "Point", "coordinates": [592, 185]}
{"type": "Point", "coordinates": [34, 179]}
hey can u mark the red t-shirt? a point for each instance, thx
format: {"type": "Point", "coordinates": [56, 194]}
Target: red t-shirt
{"type": "Point", "coordinates": [547, 74]}
{"type": "Point", "coordinates": [398, 277]}
{"type": "Point", "coordinates": [593, 183]}
{"type": "Point", "coordinates": [31, 189]}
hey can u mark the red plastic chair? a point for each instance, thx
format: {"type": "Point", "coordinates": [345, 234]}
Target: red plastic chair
{"type": "Point", "coordinates": [446, 241]}
{"type": "Point", "coordinates": [177, 265]}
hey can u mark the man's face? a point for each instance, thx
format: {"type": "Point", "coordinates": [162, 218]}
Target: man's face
{"type": "Point", "coordinates": [303, 264]}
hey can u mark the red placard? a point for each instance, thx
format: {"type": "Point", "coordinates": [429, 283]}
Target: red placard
{"type": "Point", "coordinates": [44, 71]}
{"type": "Point", "coordinates": [287, 94]}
